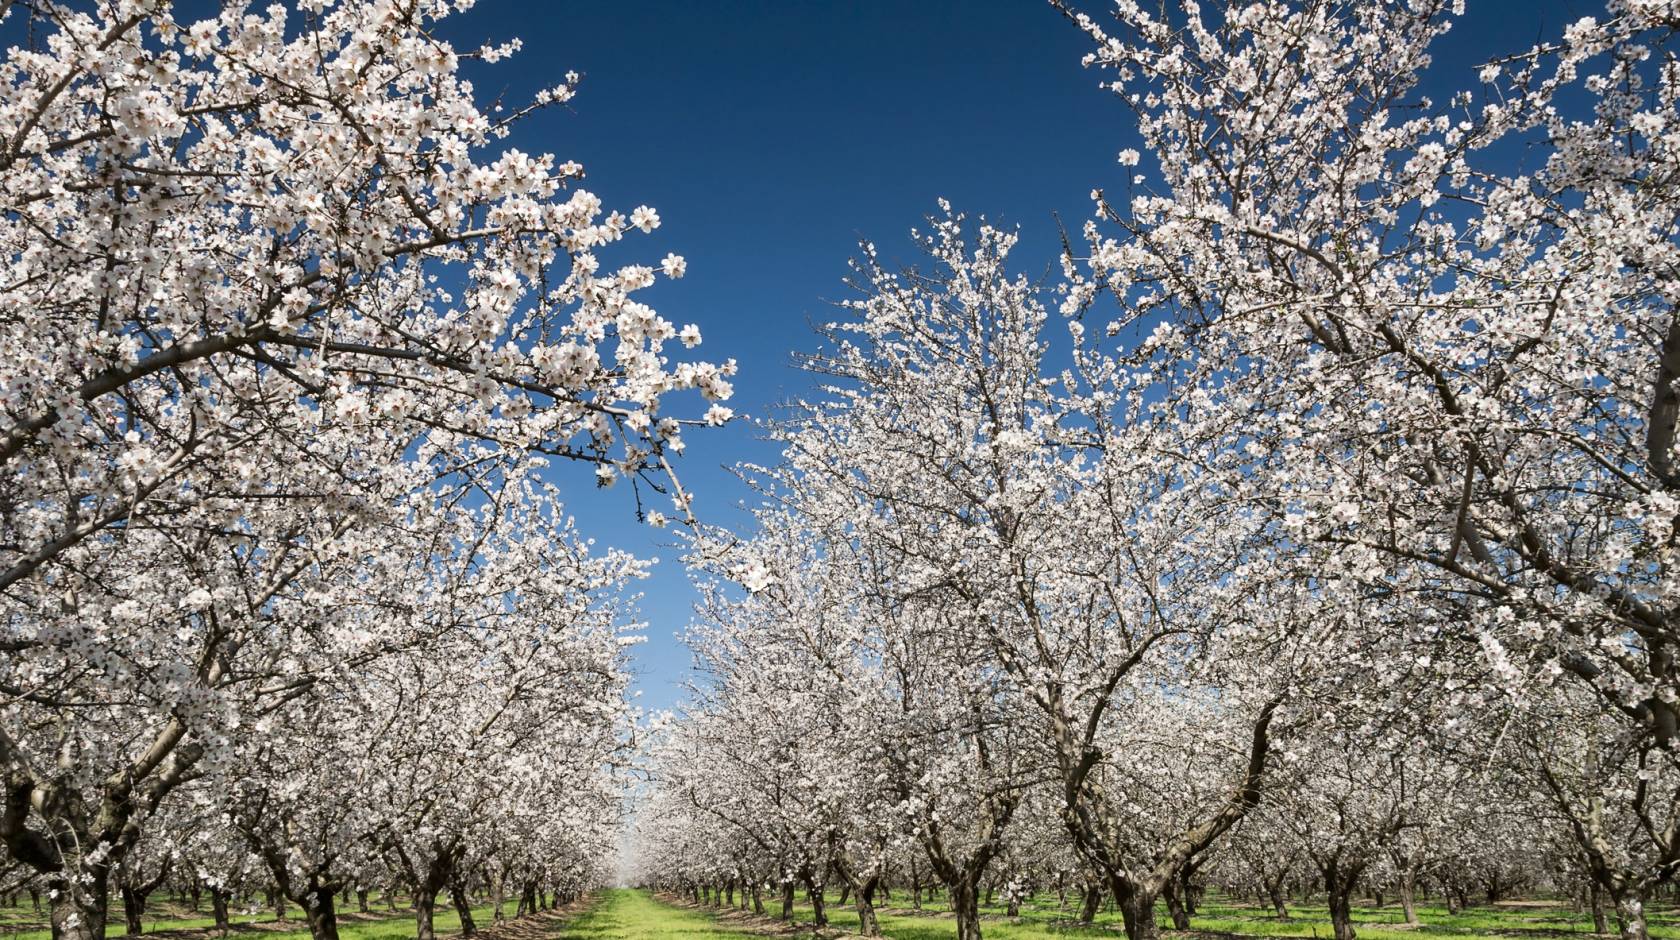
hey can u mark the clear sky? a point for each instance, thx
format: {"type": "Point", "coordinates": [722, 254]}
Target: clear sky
{"type": "Point", "coordinates": [772, 136]}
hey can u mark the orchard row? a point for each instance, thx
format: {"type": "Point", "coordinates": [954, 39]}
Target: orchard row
{"type": "Point", "coordinates": [287, 342]}
{"type": "Point", "coordinates": [1317, 524]}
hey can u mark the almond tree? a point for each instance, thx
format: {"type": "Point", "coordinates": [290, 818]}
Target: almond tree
{"type": "Point", "coordinates": [1448, 363]}
{"type": "Point", "coordinates": [1041, 513]}
{"type": "Point", "coordinates": [272, 289]}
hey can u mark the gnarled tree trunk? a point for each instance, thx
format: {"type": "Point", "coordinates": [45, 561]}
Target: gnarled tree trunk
{"type": "Point", "coordinates": [79, 906]}
{"type": "Point", "coordinates": [323, 916]}
{"type": "Point", "coordinates": [965, 905]}
{"type": "Point", "coordinates": [463, 906]}
{"type": "Point", "coordinates": [1137, 911]}
{"type": "Point", "coordinates": [1093, 901]}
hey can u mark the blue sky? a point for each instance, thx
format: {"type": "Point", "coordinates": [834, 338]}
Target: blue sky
{"type": "Point", "coordinates": [772, 136]}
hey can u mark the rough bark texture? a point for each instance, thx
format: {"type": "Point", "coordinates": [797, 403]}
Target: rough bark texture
{"type": "Point", "coordinates": [78, 911]}
{"type": "Point", "coordinates": [1137, 911]}
{"type": "Point", "coordinates": [463, 906]}
{"type": "Point", "coordinates": [133, 906]}
{"type": "Point", "coordinates": [1630, 917]}
{"type": "Point", "coordinates": [965, 905]}
{"type": "Point", "coordinates": [1093, 901]}
{"type": "Point", "coordinates": [1338, 885]}
{"type": "Point", "coordinates": [1175, 905]}
{"type": "Point", "coordinates": [323, 916]}
{"type": "Point", "coordinates": [868, 925]}
{"type": "Point", "coordinates": [1407, 890]}
{"type": "Point", "coordinates": [425, 907]}
{"type": "Point", "coordinates": [819, 913]}
{"type": "Point", "coordinates": [219, 908]}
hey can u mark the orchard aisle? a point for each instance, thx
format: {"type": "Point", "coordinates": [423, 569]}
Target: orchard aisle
{"type": "Point", "coordinates": [635, 915]}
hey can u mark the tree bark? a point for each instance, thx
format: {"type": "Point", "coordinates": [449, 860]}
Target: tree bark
{"type": "Point", "coordinates": [787, 900]}
{"type": "Point", "coordinates": [868, 925]}
{"type": "Point", "coordinates": [1093, 901]}
{"type": "Point", "coordinates": [965, 904]}
{"type": "Point", "coordinates": [323, 917]}
{"type": "Point", "coordinates": [79, 908]}
{"type": "Point", "coordinates": [219, 907]}
{"type": "Point", "coordinates": [1280, 906]}
{"type": "Point", "coordinates": [425, 908]}
{"type": "Point", "coordinates": [1137, 911]}
{"type": "Point", "coordinates": [1338, 885]}
{"type": "Point", "coordinates": [134, 904]}
{"type": "Point", "coordinates": [819, 912]}
{"type": "Point", "coordinates": [1630, 916]}
{"type": "Point", "coordinates": [1175, 904]}
{"type": "Point", "coordinates": [463, 906]}
{"type": "Point", "coordinates": [457, 895]}
{"type": "Point", "coordinates": [1341, 916]}
{"type": "Point", "coordinates": [1407, 889]}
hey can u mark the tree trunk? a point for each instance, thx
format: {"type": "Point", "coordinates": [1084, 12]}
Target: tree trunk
{"type": "Point", "coordinates": [463, 906]}
{"type": "Point", "coordinates": [1407, 889]}
{"type": "Point", "coordinates": [78, 907]}
{"type": "Point", "coordinates": [1175, 904]}
{"type": "Point", "coordinates": [758, 899]}
{"type": "Point", "coordinates": [965, 904]}
{"type": "Point", "coordinates": [1137, 910]}
{"type": "Point", "coordinates": [528, 899]}
{"type": "Point", "coordinates": [1280, 906]}
{"type": "Point", "coordinates": [1630, 916]}
{"type": "Point", "coordinates": [219, 908]}
{"type": "Point", "coordinates": [323, 916]}
{"type": "Point", "coordinates": [868, 925]}
{"type": "Point", "coordinates": [915, 886]}
{"type": "Point", "coordinates": [1601, 921]}
{"type": "Point", "coordinates": [1093, 901]}
{"type": "Point", "coordinates": [134, 904]}
{"type": "Point", "coordinates": [1341, 915]}
{"type": "Point", "coordinates": [819, 912]}
{"type": "Point", "coordinates": [425, 909]}
{"type": "Point", "coordinates": [787, 900]}
{"type": "Point", "coordinates": [361, 900]}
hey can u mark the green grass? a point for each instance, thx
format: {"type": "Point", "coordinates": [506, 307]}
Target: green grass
{"type": "Point", "coordinates": [636, 915]}
{"type": "Point", "coordinates": [1042, 919]}
{"type": "Point", "coordinates": [22, 923]}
